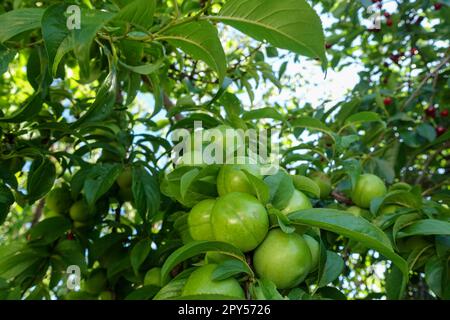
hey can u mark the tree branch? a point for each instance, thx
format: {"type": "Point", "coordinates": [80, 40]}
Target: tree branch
{"type": "Point", "coordinates": [341, 198]}
{"type": "Point", "coordinates": [424, 81]}
{"type": "Point", "coordinates": [38, 212]}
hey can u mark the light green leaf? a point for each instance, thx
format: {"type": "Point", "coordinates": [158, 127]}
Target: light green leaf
{"type": "Point", "coordinates": [362, 117]}
{"type": "Point", "coordinates": [333, 268]}
{"type": "Point", "coordinates": [144, 69]}
{"type": "Point", "coordinates": [200, 40]}
{"type": "Point", "coordinates": [195, 248]}
{"type": "Point", "coordinates": [425, 227]}
{"type": "Point", "coordinates": [17, 21]}
{"type": "Point", "coordinates": [286, 24]}
{"type": "Point", "coordinates": [41, 178]}
{"type": "Point", "coordinates": [306, 184]}
{"type": "Point", "coordinates": [355, 228]}
{"type": "Point", "coordinates": [262, 113]}
{"type": "Point", "coordinates": [313, 124]}
{"type": "Point", "coordinates": [99, 180]}
{"type": "Point", "coordinates": [145, 192]}
{"type": "Point", "coordinates": [139, 253]}
{"type": "Point", "coordinates": [138, 12]}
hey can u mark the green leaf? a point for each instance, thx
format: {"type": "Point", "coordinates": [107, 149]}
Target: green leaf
{"type": "Point", "coordinates": [200, 40]}
{"type": "Point", "coordinates": [195, 248]}
{"type": "Point", "coordinates": [6, 56]}
{"type": "Point", "coordinates": [286, 24]}
{"type": "Point", "coordinates": [186, 181]}
{"type": "Point", "coordinates": [230, 268]}
{"type": "Point", "coordinates": [31, 109]}
{"type": "Point", "coordinates": [139, 253]}
{"type": "Point", "coordinates": [99, 180]}
{"type": "Point", "coordinates": [6, 200]}
{"type": "Point", "coordinates": [50, 229]}
{"type": "Point", "coordinates": [174, 288]}
{"type": "Point", "coordinates": [425, 227]}
{"type": "Point", "coordinates": [59, 39]}
{"type": "Point", "coordinates": [313, 124]}
{"type": "Point", "coordinates": [355, 228]}
{"type": "Point", "coordinates": [393, 285]}
{"type": "Point", "coordinates": [281, 189]}
{"type": "Point", "coordinates": [363, 117]}
{"type": "Point", "coordinates": [264, 289]}
{"type": "Point", "coordinates": [144, 293]}
{"type": "Point", "coordinates": [145, 190]}
{"type": "Point", "coordinates": [41, 178]}
{"type": "Point", "coordinates": [262, 113]}
{"type": "Point", "coordinates": [261, 189]}
{"type": "Point", "coordinates": [17, 21]}
{"type": "Point", "coordinates": [333, 268]}
{"type": "Point", "coordinates": [138, 12]}
{"type": "Point", "coordinates": [436, 279]}
{"type": "Point", "coordinates": [306, 184]}
{"type": "Point", "coordinates": [144, 69]}
{"type": "Point", "coordinates": [427, 131]}
{"type": "Point", "coordinates": [103, 105]}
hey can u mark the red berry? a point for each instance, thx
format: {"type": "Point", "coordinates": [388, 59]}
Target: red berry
{"type": "Point", "coordinates": [386, 14]}
{"type": "Point", "coordinates": [328, 45]}
{"type": "Point", "coordinates": [444, 113]}
{"type": "Point", "coordinates": [440, 130]}
{"type": "Point", "coordinates": [389, 22]}
{"type": "Point", "coordinates": [437, 6]}
{"type": "Point", "coordinates": [414, 51]}
{"type": "Point", "coordinates": [387, 101]}
{"type": "Point", "coordinates": [70, 236]}
{"type": "Point", "coordinates": [431, 112]}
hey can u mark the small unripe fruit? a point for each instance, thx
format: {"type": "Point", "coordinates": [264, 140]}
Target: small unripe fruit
{"type": "Point", "coordinates": [201, 282]}
{"type": "Point", "coordinates": [368, 187]}
{"type": "Point", "coordinates": [79, 211]}
{"type": "Point", "coordinates": [96, 282]}
{"type": "Point", "coordinates": [199, 220]}
{"type": "Point", "coordinates": [285, 259]}
{"type": "Point", "coordinates": [298, 201]}
{"type": "Point", "coordinates": [59, 200]}
{"type": "Point", "coordinates": [106, 295]}
{"type": "Point", "coordinates": [239, 219]}
{"type": "Point", "coordinates": [153, 277]}
{"type": "Point", "coordinates": [314, 247]}
{"type": "Point", "coordinates": [125, 178]}
{"type": "Point", "coordinates": [324, 183]}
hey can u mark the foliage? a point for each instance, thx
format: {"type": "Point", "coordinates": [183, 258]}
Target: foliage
{"type": "Point", "coordinates": [81, 106]}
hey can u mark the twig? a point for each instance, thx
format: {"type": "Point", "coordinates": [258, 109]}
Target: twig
{"type": "Point", "coordinates": [341, 198]}
{"type": "Point", "coordinates": [38, 212]}
{"type": "Point", "coordinates": [427, 164]}
{"type": "Point", "coordinates": [424, 81]}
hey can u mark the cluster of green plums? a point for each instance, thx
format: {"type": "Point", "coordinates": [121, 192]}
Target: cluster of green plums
{"type": "Point", "coordinates": [237, 217]}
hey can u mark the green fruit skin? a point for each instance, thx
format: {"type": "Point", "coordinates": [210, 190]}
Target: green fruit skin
{"type": "Point", "coordinates": [324, 183]}
{"type": "Point", "coordinates": [78, 295]}
{"type": "Point", "coordinates": [97, 282]}
{"type": "Point", "coordinates": [59, 200]}
{"type": "Point", "coordinates": [368, 187]}
{"type": "Point", "coordinates": [126, 194]}
{"type": "Point", "coordinates": [200, 282]}
{"type": "Point", "coordinates": [124, 180]}
{"type": "Point", "coordinates": [239, 219]}
{"type": "Point", "coordinates": [230, 179]}
{"type": "Point", "coordinates": [106, 295]}
{"type": "Point", "coordinates": [314, 247]}
{"type": "Point", "coordinates": [358, 212]}
{"type": "Point", "coordinates": [391, 208]}
{"type": "Point", "coordinates": [284, 259]}
{"type": "Point", "coordinates": [153, 277]}
{"type": "Point", "coordinates": [298, 201]}
{"type": "Point", "coordinates": [216, 257]}
{"type": "Point", "coordinates": [79, 211]}
{"type": "Point", "coordinates": [199, 220]}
